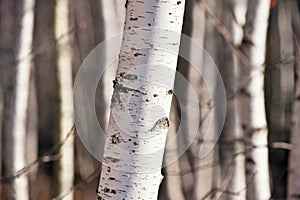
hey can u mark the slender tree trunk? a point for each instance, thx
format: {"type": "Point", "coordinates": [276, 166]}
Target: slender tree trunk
{"type": "Point", "coordinates": [130, 169]}
{"type": "Point", "coordinates": [231, 148]}
{"type": "Point", "coordinates": [17, 97]}
{"type": "Point", "coordinates": [7, 19]}
{"type": "Point", "coordinates": [47, 89]}
{"type": "Point", "coordinates": [252, 100]}
{"type": "Point", "coordinates": [279, 89]}
{"type": "Point", "coordinates": [64, 65]}
{"type": "Point", "coordinates": [88, 30]}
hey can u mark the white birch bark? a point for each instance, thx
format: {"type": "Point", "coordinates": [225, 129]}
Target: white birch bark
{"type": "Point", "coordinates": [18, 189]}
{"type": "Point", "coordinates": [230, 146]}
{"type": "Point", "coordinates": [64, 65]}
{"type": "Point", "coordinates": [135, 141]}
{"type": "Point", "coordinates": [252, 100]}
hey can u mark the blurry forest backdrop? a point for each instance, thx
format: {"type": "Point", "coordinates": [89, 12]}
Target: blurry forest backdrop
{"type": "Point", "coordinates": [254, 43]}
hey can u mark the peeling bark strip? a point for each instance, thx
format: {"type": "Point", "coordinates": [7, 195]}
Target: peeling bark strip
{"type": "Point", "coordinates": [141, 102]}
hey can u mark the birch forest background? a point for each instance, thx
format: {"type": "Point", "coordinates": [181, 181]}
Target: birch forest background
{"type": "Point", "coordinates": [256, 47]}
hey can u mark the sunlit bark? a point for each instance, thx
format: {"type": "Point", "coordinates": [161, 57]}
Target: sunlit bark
{"type": "Point", "coordinates": [252, 99]}
{"type": "Point", "coordinates": [129, 168]}
{"type": "Point", "coordinates": [64, 65]}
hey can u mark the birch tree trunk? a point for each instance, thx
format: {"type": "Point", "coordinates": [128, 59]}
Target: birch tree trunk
{"type": "Point", "coordinates": [252, 100]}
{"type": "Point", "coordinates": [64, 65]}
{"type": "Point", "coordinates": [47, 89]}
{"type": "Point", "coordinates": [230, 146]}
{"type": "Point", "coordinates": [16, 100]}
{"type": "Point", "coordinates": [135, 141]}
{"type": "Point", "coordinates": [279, 89]}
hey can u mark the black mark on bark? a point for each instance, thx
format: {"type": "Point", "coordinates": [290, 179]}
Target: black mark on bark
{"type": "Point", "coordinates": [161, 124]}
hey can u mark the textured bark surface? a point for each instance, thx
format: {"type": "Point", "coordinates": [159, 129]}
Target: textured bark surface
{"type": "Point", "coordinates": [253, 119]}
{"type": "Point", "coordinates": [64, 70]}
{"type": "Point", "coordinates": [140, 109]}
{"type": "Point", "coordinates": [18, 43]}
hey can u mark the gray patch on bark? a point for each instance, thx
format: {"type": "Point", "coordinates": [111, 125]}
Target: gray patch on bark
{"type": "Point", "coordinates": [111, 159]}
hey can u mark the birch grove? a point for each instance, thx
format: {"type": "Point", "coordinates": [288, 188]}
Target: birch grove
{"type": "Point", "coordinates": [186, 100]}
{"type": "Point", "coordinates": [133, 154]}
